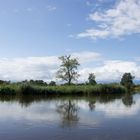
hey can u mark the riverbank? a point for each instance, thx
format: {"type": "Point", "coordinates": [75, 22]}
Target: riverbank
{"type": "Point", "coordinates": [62, 89]}
{"type": "Point", "coordinates": [137, 88]}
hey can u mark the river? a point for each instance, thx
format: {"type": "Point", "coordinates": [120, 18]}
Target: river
{"type": "Point", "coordinates": [115, 117]}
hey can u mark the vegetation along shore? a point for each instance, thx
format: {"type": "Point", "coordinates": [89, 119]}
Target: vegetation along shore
{"type": "Point", "coordinates": [68, 72]}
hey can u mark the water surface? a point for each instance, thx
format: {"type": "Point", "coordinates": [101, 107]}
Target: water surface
{"type": "Point", "coordinates": [93, 118]}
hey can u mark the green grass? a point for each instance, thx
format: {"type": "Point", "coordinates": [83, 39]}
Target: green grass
{"type": "Point", "coordinates": [58, 90]}
{"type": "Point", "coordinates": [137, 88]}
{"type": "Point", "coordinates": [88, 89]}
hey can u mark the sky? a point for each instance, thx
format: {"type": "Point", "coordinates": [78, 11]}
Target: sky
{"type": "Point", "coordinates": [104, 35]}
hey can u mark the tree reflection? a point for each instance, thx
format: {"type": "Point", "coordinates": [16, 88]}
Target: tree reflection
{"type": "Point", "coordinates": [69, 113]}
{"type": "Point", "coordinates": [128, 100]}
{"type": "Point", "coordinates": [92, 105]}
{"type": "Point", "coordinates": [106, 98]}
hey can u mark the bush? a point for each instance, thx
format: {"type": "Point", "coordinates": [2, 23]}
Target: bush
{"type": "Point", "coordinates": [7, 90]}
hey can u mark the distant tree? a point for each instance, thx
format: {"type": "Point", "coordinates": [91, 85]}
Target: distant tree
{"type": "Point", "coordinates": [52, 83]}
{"type": "Point", "coordinates": [68, 69]}
{"type": "Point", "coordinates": [2, 82]}
{"type": "Point", "coordinates": [24, 82]}
{"type": "Point", "coordinates": [127, 81]}
{"type": "Point", "coordinates": [91, 79]}
{"type": "Point", "coordinates": [38, 82]}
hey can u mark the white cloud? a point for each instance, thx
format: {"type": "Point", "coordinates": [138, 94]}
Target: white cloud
{"type": "Point", "coordinates": [88, 3]}
{"type": "Point", "coordinates": [122, 19]}
{"type": "Point", "coordinates": [86, 57]}
{"type": "Point", "coordinates": [112, 70]}
{"type": "Point", "coordinates": [17, 69]}
{"type": "Point", "coordinates": [137, 59]}
{"type": "Point", "coordinates": [28, 68]}
{"type": "Point", "coordinates": [45, 68]}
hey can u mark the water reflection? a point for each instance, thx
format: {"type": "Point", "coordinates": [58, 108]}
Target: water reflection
{"type": "Point", "coordinates": [92, 105]}
{"type": "Point", "coordinates": [69, 113]}
{"type": "Point", "coordinates": [68, 108]}
{"type": "Point", "coordinates": [86, 116]}
{"type": "Point", "coordinates": [27, 100]}
{"type": "Point", "coordinates": [128, 100]}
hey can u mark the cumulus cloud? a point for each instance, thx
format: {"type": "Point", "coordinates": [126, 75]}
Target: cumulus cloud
{"type": "Point", "coordinates": [28, 68]}
{"type": "Point", "coordinates": [112, 70]}
{"type": "Point", "coordinates": [45, 68]}
{"type": "Point", "coordinates": [122, 19]}
{"type": "Point", "coordinates": [17, 69]}
{"type": "Point", "coordinates": [86, 57]}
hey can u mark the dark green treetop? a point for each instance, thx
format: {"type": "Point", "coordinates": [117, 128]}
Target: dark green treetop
{"type": "Point", "coordinates": [127, 81]}
{"type": "Point", "coordinates": [91, 79]}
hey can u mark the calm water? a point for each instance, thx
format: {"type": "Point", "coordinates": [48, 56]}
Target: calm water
{"type": "Point", "coordinates": [96, 118]}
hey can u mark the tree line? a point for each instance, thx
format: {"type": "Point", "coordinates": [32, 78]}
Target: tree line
{"type": "Point", "coordinates": [68, 73]}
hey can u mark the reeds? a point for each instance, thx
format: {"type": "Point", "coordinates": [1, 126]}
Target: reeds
{"type": "Point", "coordinates": [62, 89]}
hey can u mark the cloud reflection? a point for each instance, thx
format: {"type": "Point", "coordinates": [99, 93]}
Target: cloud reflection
{"type": "Point", "coordinates": [46, 111]}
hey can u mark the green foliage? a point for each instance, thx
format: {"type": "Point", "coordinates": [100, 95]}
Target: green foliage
{"type": "Point", "coordinates": [61, 90]}
{"type": "Point", "coordinates": [88, 89]}
{"type": "Point", "coordinates": [34, 82]}
{"type": "Point", "coordinates": [4, 82]}
{"type": "Point", "coordinates": [7, 90]}
{"type": "Point", "coordinates": [38, 82]}
{"type": "Point", "coordinates": [127, 81]}
{"type": "Point", "coordinates": [68, 69]}
{"type": "Point", "coordinates": [137, 88]}
{"type": "Point", "coordinates": [91, 79]}
{"type": "Point", "coordinates": [52, 83]}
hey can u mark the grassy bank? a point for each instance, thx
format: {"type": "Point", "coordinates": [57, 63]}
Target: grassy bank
{"type": "Point", "coordinates": [27, 89]}
{"type": "Point", "coordinates": [137, 88]}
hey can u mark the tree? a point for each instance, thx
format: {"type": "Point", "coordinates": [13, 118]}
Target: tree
{"type": "Point", "coordinates": [127, 81]}
{"type": "Point", "coordinates": [52, 83]}
{"type": "Point", "coordinates": [68, 69]}
{"type": "Point", "coordinates": [38, 82]}
{"type": "Point", "coordinates": [91, 79]}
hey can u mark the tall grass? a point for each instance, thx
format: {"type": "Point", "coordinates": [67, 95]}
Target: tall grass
{"type": "Point", "coordinates": [58, 90]}
{"type": "Point", "coordinates": [88, 89]}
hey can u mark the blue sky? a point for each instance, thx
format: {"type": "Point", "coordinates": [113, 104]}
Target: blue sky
{"type": "Point", "coordinates": [33, 33]}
